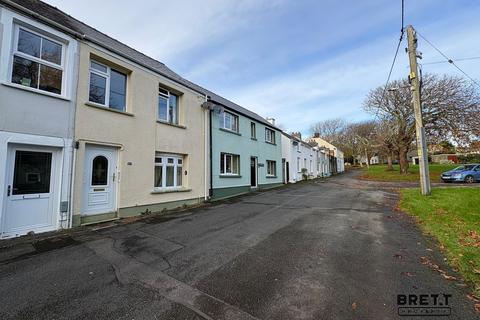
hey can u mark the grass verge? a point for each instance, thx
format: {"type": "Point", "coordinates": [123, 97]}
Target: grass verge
{"type": "Point", "coordinates": [452, 216]}
{"type": "Point", "coordinates": [380, 173]}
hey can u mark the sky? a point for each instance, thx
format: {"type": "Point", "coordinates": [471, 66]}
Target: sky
{"type": "Point", "coordinates": [298, 61]}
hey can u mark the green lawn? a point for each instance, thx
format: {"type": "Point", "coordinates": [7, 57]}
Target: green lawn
{"type": "Point", "coordinates": [452, 216]}
{"type": "Point", "coordinates": [380, 173]}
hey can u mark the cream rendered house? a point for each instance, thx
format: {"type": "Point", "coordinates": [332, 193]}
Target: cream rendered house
{"type": "Point", "coordinates": [140, 140]}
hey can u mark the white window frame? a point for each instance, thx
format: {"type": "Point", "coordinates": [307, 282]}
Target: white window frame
{"type": "Point", "coordinates": [298, 165]}
{"type": "Point", "coordinates": [253, 130]}
{"type": "Point", "coordinates": [178, 162]}
{"type": "Point", "coordinates": [164, 93]}
{"type": "Point", "coordinates": [271, 164]}
{"type": "Point", "coordinates": [223, 158]}
{"type": "Point", "coordinates": [15, 52]}
{"type": "Point", "coordinates": [107, 76]}
{"type": "Point", "coordinates": [269, 135]}
{"type": "Point", "coordinates": [234, 120]}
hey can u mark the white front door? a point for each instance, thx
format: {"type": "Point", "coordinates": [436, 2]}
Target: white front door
{"type": "Point", "coordinates": [32, 190]}
{"type": "Point", "coordinates": [99, 180]}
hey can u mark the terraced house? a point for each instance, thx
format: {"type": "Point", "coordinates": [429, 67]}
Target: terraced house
{"type": "Point", "coordinates": [246, 150]}
{"type": "Point", "coordinates": [92, 130]}
{"type": "Point", "coordinates": [38, 72]}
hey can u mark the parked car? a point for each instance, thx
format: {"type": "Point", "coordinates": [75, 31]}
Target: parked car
{"type": "Point", "coordinates": [468, 173]}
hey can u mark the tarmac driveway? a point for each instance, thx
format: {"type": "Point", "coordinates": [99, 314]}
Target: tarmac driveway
{"type": "Point", "coordinates": [316, 250]}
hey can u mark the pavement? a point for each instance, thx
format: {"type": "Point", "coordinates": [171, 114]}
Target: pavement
{"type": "Point", "coordinates": [333, 249]}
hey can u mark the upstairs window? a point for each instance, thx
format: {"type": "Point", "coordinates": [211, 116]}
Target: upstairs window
{"type": "Point", "coordinates": [167, 106]}
{"type": "Point", "coordinates": [108, 87]}
{"type": "Point", "coordinates": [168, 171]}
{"type": "Point", "coordinates": [38, 61]}
{"type": "Point", "coordinates": [271, 168]}
{"type": "Point", "coordinates": [269, 135]}
{"type": "Point", "coordinates": [229, 164]}
{"type": "Point", "coordinates": [230, 121]}
{"type": "Point", "coordinates": [253, 130]}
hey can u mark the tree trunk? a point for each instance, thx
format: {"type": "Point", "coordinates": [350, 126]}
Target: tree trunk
{"type": "Point", "coordinates": [389, 162]}
{"type": "Point", "coordinates": [403, 159]}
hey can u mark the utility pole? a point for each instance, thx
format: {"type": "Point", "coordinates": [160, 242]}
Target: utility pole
{"type": "Point", "coordinates": [417, 106]}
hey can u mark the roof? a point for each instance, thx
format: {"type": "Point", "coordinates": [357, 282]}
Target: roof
{"type": "Point", "coordinates": [84, 31]}
{"type": "Point", "coordinates": [292, 137]}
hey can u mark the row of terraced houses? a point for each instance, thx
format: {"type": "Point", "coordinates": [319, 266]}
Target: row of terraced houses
{"type": "Point", "coordinates": [92, 130]}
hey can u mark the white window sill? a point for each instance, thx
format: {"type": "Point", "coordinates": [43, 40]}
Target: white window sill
{"type": "Point", "coordinates": [169, 190]}
{"type": "Point", "coordinates": [226, 175]}
{"type": "Point", "coordinates": [171, 124]}
{"type": "Point", "coordinates": [230, 131]}
{"type": "Point", "coordinates": [270, 176]}
{"type": "Point", "coordinates": [33, 90]}
{"type": "Point", "coordinates": [101, 106]}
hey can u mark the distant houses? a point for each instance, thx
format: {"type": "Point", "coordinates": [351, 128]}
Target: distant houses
{"type": "Point", "coordinates": [92, 130]}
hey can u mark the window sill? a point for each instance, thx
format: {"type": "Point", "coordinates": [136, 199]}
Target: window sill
{"type": "Point", "coordinates": [167, 190]}
{"type": "Point", "coordinates": [33, 90]}
{"type": "Point", "coordinates": [230, 176]}
{"type": "Point", "coordinates": [99, 106]}
{"type": "Point", "coordinates": [230, 131]}
{"type": "Point", "coordinates": [271, 177]}
{"type": "Point", "coordinates": [272, 143]}
{"type": "Point", "coordinates": [172, 124]}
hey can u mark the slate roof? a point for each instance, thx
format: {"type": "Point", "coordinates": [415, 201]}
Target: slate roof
{"type": "Point", "coordinates": [91, 34]}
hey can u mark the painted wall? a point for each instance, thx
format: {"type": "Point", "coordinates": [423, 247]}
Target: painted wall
{"type": "Point", "coordinates": [138, 135]}
{"type": "Point", "coordinates": [33, 117]}
{"type": "Point", "coordinates": [243, 145]}
{"type": "Point", "coordinates": [300, 155]}
{"type": "Point", "coordinates": [26, 110]}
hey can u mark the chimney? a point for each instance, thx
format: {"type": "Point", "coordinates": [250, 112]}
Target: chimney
{"type": "Point", "coordinates": [297, 135]}
{"type": "Point", "coordinates": [316, 135]}
{"type": "Point", "coordinates": [271, 120]}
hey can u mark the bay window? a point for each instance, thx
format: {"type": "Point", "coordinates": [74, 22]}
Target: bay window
{"type": "Point", "coordinates": [168, 171]}
{"type": "Point", "coordinates": [38, 61]}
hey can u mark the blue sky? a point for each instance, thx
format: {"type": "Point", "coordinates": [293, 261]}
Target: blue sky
{"type": "Point", "coordinates": [297, 61]}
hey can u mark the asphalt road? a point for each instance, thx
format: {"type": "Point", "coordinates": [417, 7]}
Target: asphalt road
{"type": "Point", "coordinates": [316, 250]}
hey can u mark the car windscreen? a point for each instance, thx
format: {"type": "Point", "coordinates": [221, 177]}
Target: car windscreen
{"type": "Point", "coordinates": [462, 168]}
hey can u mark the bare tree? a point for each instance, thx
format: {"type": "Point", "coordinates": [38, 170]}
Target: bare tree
{"type": "Point", "coordinates": [450, 111]}
{"type": "Point", "coordinates": [330, 129]}
{"type": "Point", "coordinates": [385, 141]}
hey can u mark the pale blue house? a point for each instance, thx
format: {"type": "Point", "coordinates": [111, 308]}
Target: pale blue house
{"type": "Point", "coordinates": [246, 150]}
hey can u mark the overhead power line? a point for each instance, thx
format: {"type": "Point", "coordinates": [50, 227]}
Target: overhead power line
{"type": "Point", "coordinates": [452, 62]}
{"type": "Point", "coordinates": [402, 31]}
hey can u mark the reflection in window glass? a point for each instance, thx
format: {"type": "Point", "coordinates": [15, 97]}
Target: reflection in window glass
{"type": "Point", "coordinates": [25, 72]}
{"type": "Point", "coordinates": [51, 51]}
{"type": "Point", "coordinates": [118, 85]}
{"type": "Point", "coordinates": [50, 79]}
{"type": "Point", "coordinates": [32, 172]}
{"type": "Point", "coordinates": [99, 171]}
{"type": "Point", "coordinates": [98, 86]}
{"type": "Point", "coordinates": [158, 176]}
{"type": "Point", "coordinates": [29, 43]}
{"type": "Point", "coordinates": [167, 106]}
{"type": "Point", "coordinates": [169, 177]}
{"type": "Point", "coordinates": [162, 108]}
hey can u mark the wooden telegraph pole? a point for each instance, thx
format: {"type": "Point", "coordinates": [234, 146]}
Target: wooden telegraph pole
{"type": "Point", "coordinates": [417, 106]}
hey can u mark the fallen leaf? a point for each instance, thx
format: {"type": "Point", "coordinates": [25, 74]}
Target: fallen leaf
{"type": "Point", "coordinates": [477, 307]}
{"type": "Point", "coordinates": [473, 297]}
{"type": "Point", "coordinates": [354, 305]}
{"type": "Point", "coordinates": [408, 274]}
{"type": "Point", "coordinates": [476, 271]}
{"type": "Point", "coordinates": [428, 249]}
{"type": "Point", "coordinates": [446, 276]}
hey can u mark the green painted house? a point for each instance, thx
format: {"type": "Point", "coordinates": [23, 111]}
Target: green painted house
{"type": "Point", "coordinates": [246, 150]}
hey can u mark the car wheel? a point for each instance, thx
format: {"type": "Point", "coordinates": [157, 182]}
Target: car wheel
{"type": "Point", "coordinates": [469, 179]}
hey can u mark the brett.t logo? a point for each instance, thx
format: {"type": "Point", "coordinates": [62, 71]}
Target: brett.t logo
{"type": "Point", "coordinates": [424, 304]}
